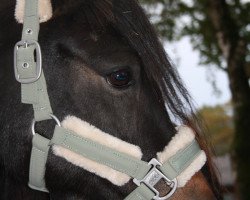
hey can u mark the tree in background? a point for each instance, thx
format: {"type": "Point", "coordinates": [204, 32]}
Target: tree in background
{"type": "Point", "coordinates": [219, 120]}
{"type": "Point", "coordinates": [220, 31]}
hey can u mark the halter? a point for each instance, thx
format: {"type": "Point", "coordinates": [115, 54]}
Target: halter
{"type": "Point", "coordinates": [28, 71]}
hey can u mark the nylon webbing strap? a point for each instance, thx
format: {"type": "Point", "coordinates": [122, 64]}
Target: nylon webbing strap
{"type": "Point", "coordinates": [39, 154]}
{"type": "Point", "coordinates": [173, 167]}
{"type": "Point", "coordinates": [28, 68]}
{"type": "Point", "coordinates": [124, 163]}
{"type": "Point", "coordinates": [101, 154]}
{"type": "Point", "coordinates": [181, 160]}
{"type": "Point", "coordinates": [31, 20]}
{"type": "Point", "coordinates": [141, 193]}
{"type": "Point", "coordinates": [36, 94]}
{"type": "Point", "coordinates": [28, 71]}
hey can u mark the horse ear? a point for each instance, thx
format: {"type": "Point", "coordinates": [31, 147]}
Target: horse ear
{"type": "Point", "coordinates": [44, 10]}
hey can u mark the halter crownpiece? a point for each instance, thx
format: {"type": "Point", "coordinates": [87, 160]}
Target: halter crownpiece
{"type": "Point", "coordinates": [44, 10]}
{"type": "Point", "coordinates": [85, 145]}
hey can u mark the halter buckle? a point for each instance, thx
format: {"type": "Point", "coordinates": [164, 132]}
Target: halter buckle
{"type": "Point", "coordinates": [153, 177]}
{"type": "Point", "coordinates": [25, 65]}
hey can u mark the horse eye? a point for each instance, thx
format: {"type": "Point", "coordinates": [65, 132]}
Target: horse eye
{"type": "Point", "coordinates": [120, 78]}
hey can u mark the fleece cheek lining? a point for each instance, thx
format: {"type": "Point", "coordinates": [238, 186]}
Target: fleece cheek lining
{"type": "Point", "coordinates": [183, 137]}
{"type": "Point", "coordinates": [44, 10]}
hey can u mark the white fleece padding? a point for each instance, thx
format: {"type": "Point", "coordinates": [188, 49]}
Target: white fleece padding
{"type": "Point", "coordinates": [86, 130]}
{"type": "Point", "coordinates": [44, 10]}
{"type": "Point", "coordinates": [184, 136]}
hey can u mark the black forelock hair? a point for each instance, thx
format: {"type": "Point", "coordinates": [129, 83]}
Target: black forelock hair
{"type": "Point", "coordinates": [130, 21]}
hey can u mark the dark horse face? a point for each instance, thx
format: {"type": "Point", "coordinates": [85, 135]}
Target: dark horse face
{"type": "Point", "coordinates": [104, 64]}
{"type": "Point", "coordinates": [98, 77]}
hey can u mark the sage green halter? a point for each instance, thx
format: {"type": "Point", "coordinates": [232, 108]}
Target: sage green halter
{"type": "Point", "coordinates": [28, 71]}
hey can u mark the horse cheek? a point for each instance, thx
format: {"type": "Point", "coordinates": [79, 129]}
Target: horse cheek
{"type": "Point", "coordinates": [196, 189]}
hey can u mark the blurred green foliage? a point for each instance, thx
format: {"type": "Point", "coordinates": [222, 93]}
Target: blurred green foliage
{"type": "Point", "coordinates": [219, 121]}
{"type": "Point", "coordinates": [177, 18]}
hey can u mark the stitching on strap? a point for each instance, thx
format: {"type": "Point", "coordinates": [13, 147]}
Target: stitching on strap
{"type": "Point", "coordinates": [68, 134]}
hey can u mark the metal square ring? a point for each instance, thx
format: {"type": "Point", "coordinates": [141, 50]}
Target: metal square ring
{"type": "Point", "coordinates": [153, 177]}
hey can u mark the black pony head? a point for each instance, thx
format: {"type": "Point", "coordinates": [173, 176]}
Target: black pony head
{"type": "Point", "coordinates": [103, 63]}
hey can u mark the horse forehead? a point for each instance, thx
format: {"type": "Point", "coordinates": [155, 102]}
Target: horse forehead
{"type": "Point", "coordinates": [93, 40]}
{"type": "Point", "coordinates": [107, 45]}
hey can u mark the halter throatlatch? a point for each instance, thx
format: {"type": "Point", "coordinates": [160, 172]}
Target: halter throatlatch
{"type": "Point", "coordinates": [28, 71]}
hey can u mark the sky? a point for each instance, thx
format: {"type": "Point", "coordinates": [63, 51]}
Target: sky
{"type": "Point", "coordinates": [195, 76]}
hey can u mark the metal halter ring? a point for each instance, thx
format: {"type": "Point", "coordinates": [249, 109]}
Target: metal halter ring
{"type": "Point", "coordinates": [34, 123]}
{"type": "Point", "coordinates": [153, 177]}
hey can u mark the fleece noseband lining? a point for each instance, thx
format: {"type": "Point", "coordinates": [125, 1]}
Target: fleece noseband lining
{"type": "Point", "coordinates": [184, 136]}
{"type": "Point", "coordinates": [86, 130]}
